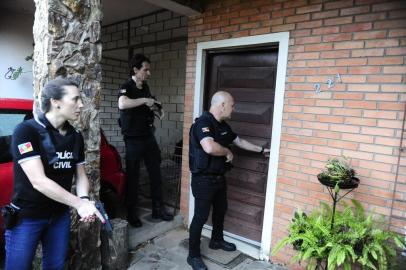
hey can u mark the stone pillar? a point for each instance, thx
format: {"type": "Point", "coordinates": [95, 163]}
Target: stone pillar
{"type": "Point", "coordinates": [67, 43]}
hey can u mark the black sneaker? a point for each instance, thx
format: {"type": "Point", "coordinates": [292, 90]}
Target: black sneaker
{"type": "Point", "coordinates": [196, 263]}
{"type": "Point", "coordinates": [226, 246]}
{"type": "Point", "coordinates": [133, 219]}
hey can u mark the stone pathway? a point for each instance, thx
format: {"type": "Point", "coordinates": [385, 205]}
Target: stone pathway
{"type": "Point", "coordinates": [168, 252]}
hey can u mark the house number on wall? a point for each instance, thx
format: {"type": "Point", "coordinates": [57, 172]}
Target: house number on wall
{"type": "Point", "coordinates": [330, 83]}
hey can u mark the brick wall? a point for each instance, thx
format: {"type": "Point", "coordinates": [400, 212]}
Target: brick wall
{"type": "Point", "coordinates": [361, 117]}
{"type": "Point", "coordinates": [162, 37]}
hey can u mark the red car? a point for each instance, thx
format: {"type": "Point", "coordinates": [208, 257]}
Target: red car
{"type": "Point", "coordinates": [14, 111]}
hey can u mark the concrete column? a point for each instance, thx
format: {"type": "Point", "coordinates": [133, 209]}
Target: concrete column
{"type": "Point", "coordinates": [67, 43]}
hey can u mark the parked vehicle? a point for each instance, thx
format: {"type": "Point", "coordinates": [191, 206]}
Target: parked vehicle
{"type": "Point", "coordinates": [112, 177]}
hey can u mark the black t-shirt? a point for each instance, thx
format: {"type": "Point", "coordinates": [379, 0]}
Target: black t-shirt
{"type": "Point", "coordinates": [26, 144]}
{"type": "Point", "coordinates": [208, 126]}
{"type": "Point", "coordinates": [136, 121]}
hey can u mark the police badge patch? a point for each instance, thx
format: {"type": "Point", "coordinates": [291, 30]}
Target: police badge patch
{"type": "Point", "coordinates": [205, 129]}
{"type": "Point", "coordinates": [25, 148]}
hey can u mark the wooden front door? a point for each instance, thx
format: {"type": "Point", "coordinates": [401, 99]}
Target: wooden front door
{"type": "Point", "coordinates": [249, 76]}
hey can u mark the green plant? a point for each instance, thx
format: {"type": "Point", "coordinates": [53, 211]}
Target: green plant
{"type": "Point", "coordinates": [355, 238]}
{"type": "Point", "coordinates": [338, 169]}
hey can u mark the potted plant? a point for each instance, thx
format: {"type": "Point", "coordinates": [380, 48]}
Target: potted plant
{"type": "Point", "coordinates": [338, 172]}
{"type": "Point", "coordinates": [355, 239]}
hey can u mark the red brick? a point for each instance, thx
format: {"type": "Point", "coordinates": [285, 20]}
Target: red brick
{"type": "Point", "coordinates": [364, 70]}
{"type": "Point", "coordinates": [276, 21]}
{"type": "Point", "coordinates": [311, 24]}
{"type": "Point", "coordinates": [371, 17]}
{"type": "Point", "coordinates": [325, 14]}
{"type": "Point", "coordinates": [367, 52]}
{"type": "Point", "coordinates": [283, 13]}
{"type": "Point", "coordinates": [390, 24]}
{"type": "Point", "coordinates": [320, 63]}
{"type": "Point", "coordinates": [395, 70]}
{"type": "Point", "coordinates": [363, 87]}
{"type": "Point", "coordinates": [385, 60]}
{"type": "Point", "coordinates": [300, 33]}
{"type": "Point", "coordinates": [357, 154]}
{"type": "Point", "coordinates": [304, 102]}
{"type": "Point", "coordinates": [343, 144]}
{"type": "Point", "coordinates": [296, 3]}
{"type": "Point", "coordinates": [370, 35]}
{"type": "Point", "coordinates": [354, 10]}
{"type": "Point", "coordinates": [381, 43]}
{"type": "Point", "coordinates": [329, 103]}
{"type": "Point", "coordinates": [326, 30]}
{"type": "Point", "coordinates": [385, 79]}
{"type": "Point", "coordinates": [282, 28]}
{"type": "Point", "coordinates": [326, 134]}
{"type": "Point", "coordinates": [391, 106]}
{"type": "Point", "coordinates": [353, 79]}
{"type": "Point", "coordinates": [327, 150]}
{"type": "Point", "coordinates": [297, 64]}
{"type": "Point", "coordinates": [389, 6]}
{"type": "Point", "coordinates": [338, 21]}
{"type": "Point", "coordinates": [360, 104]}
{"type": "Point", "coordinates": [248, 12]}
{"type": "Point", "coordinates": [211, 31]}
{"type": "Point", "coordinates": [249, 25]}
{"type": "Point", "coordinates": [348, 96]}
{"type": "Point", "coordinates": [319, 47]}
{"type": "Point", "coordinates": [307, 40]}
{"type": "Point", "coordinates": [308, 9]}
{"type": "Point", "coordinates": [401, 88]}
{"type": "Point", "coordinates": [220, 24]}
{"type": "Point", "coordinates": [316, 110]}
{"type": "Point", "coordinates": [349, 45]}
{"type": "Point", "coordinates": [397, 33]}
{"type": "Point", "coordinates": [335, 54]}
{"type": "Point", "coordinates": [388, 132]}
{"type": "Point", "coordinates": [330, 119]}
{"type": "Point", "coordinates": [380, 114]}
{"type": "Point", "coordinates": [260, 17]}
{"type": "Point", "coordinates": [231, 28]}
{"type": "Point", "coordinates": [360, 121]}
{"type": "Point", "coordinates": [374, 148]}
{"type": "Point", "coordinates": [358, 138]}
{"type": "Point", "coordinates": [397, 14]}
{"type": "Point", "coordinates": [396, 51]}
{"type": "Point", "coordinates": [333, 71]}
{"type": "Point", "coordinates": [239, 20]}
{"type": "Point", "coordinates": [243, 33]}
{"type": "Point", "coordinates": [310, 55]}
{"type": "Point", "coordinates": [270, 8]}
{"type": "Point", "coordinates": [229, 15]}
{"type": "Point", "coordinates": [351, 62]}
{"type": "Point", "coordinates": [388, 141]}
{"type": "Point", "coordinates": [337, 37]}
{"type": "Point", "coordinates": [260, 31]}
{"type": "Point", "coordinates": [356, 27]}
{"type": "Point", "coordinates": [396, 124]}
{"type": "Point", "coordinates": [338, 4]}
{"type": "Point", "coordinates": [297, 18]}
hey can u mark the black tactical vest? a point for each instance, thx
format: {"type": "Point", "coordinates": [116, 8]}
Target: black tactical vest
{"type": "Point", "coordinates": [199, 161]}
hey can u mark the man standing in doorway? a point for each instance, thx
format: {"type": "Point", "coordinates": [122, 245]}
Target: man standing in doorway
{"type": "Point", "coordinates": [209, 158]}
{"type": "Point", "coordinates": [137, 107]}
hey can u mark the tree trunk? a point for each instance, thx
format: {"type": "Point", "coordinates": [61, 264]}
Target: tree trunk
{"type": "Point", "coordinates": [67, 43]}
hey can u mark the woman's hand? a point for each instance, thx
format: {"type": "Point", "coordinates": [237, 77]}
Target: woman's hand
{"type": "Point", "coordinates": [87, 211]}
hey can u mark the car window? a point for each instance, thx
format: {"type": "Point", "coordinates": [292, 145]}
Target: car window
{"type": "Point", "coordinates": [9, 119]}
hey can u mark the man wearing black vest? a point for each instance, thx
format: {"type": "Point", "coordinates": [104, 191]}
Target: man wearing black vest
{"type": "Point", "coordinates": [209, 158]}
{"type": "Point", "coordinates": [137, 107]}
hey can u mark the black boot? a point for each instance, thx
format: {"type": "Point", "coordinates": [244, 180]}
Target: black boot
{"type": "Point", "coordinates": [196, 263]}
{"type": "Point", "coordinates": [221, 244]}
{"type": "Point", "coordinates": [159, 212]}
{"type": "Point", "coordinates": [132, 217]}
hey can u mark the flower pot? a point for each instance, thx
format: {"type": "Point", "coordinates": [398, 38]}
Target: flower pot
{"type": "Point", "coordinates": [349, 183]}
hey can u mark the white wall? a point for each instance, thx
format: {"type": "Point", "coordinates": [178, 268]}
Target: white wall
{"type": "Point", "coordinates": [16, 42]}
